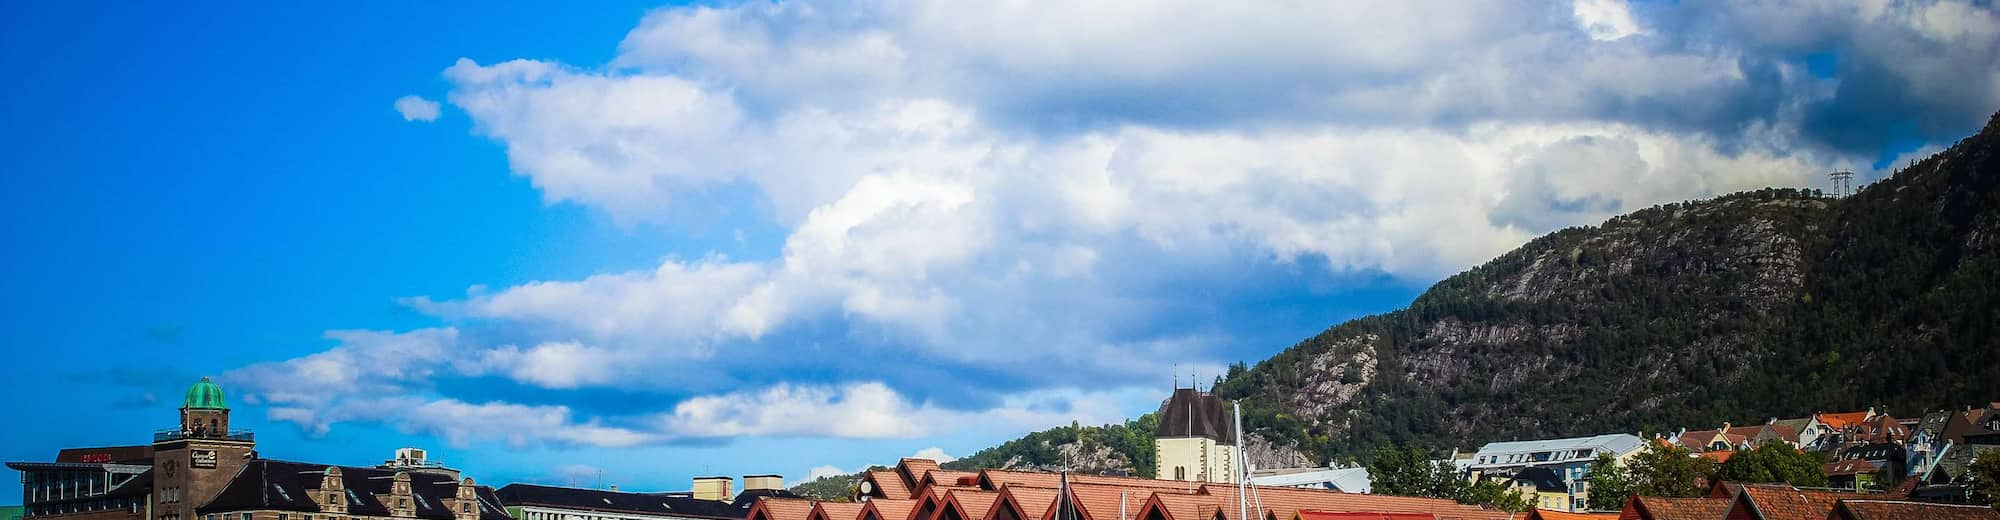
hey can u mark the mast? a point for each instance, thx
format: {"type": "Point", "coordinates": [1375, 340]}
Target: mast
{"type": "Point", "coordinates": [1242, 478]}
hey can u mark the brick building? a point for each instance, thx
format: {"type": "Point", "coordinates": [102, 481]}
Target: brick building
{"type": "Point", "coordinates": [204, 469]}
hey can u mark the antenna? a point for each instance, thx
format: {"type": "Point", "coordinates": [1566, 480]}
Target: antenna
{"type": "Point", "coordinates": [1242, 502]}
{"type": "Point", "coordinates": [1843, 182]}
{"type": "Point", "coordinates": [1177, 376]}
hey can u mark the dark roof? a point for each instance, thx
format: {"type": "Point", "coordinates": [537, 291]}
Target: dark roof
{"type": "Point", "coordinates": [112, 454]}
{"type": "Point", "coordinates": [1191, 413]}
{"type": "Point", "coordinates": [1877, 451]}
{"type": "Point", "coordinates": [1544, 479]}
{"type": "Point", "coordinates": [283, 485]}
{"type": "Point", "coordinates": [1952, 466]}
{"type": "Point", "coordinates": [617, 501]}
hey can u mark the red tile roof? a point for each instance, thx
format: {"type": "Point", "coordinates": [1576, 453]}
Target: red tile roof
{"type": "Point", "coordinates": [1321, 515]}
{"type": "Point", "coordinates": [888, 484]}
{"type": "Point", "coordinates": [1544, 514]}
{"type": "Point", "coordinates": [1286, 503]}
{"type": "Point", "coordinates": [1025, 502]}
{"type": "Point", "coordinates": [1848, 467]}
{"type": "Point", "coordinates": [1841, 420]}
{"type": "Point", "coordinates": [1658, 508]}
{"type": "Point", "coordinates": [1773, 502]}
{"type": "Point", "coordinates": [882, 509]}
{"type": "Point", "coordinates": [836, 511]}
{"type": "Point", "coordinates": [1857, 509]}
{"type": "Point", "coordinates": [967, 504]}
{"type": "Point", "coordinates": [770, 508]}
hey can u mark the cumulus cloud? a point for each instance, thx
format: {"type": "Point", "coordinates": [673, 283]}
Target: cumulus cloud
{"type": "Point", "coordinates": [416, 108]}
{"type": "Point", "coordinates": [933, 453]}
{"type": "Point", "coordinates": [995, 188]}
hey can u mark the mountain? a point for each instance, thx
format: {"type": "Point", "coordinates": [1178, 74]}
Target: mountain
{"type": "Point", "coordinates": [1772, 303]}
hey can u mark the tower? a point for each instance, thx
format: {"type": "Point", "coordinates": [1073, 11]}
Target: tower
{"type": "Point", "coordinates": [194, 461]}
{"type": "Point", "coordinates": [1843, 182]}
{"type": "Point", "coordinates": [1196, 440]}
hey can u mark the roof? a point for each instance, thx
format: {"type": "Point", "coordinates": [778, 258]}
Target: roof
{"type": "Point", "coordinates": [204, 395]}
{"type": "Point", "coordinates": [914, 469]}
{"type": "Point", "coordinates": [1861, 509]}
{"type": "Point", "coordinates": [1544, 514]}
{"type": "Point", "coordinates": [1351, 480]}
{"type": "Point", "coordinates": [1285, 503]}
{"type": "Point", "coordinates": [1840, 420]}
{"type": "Point", "coordinates": [835, 511]}
{"type": "Point", "coordinates": [1323, 515]}
{"type": "Point", "coordinates": [1192, 413]}
{"type": "Point", "coordinates": [1026, 502]}
{"type": "Point", "coordinates": [1616, 443]}
{"type": "Point", "coordinates": [113, 454]}
{"type": "Point", "coordinates": [1781, 502]}
{"type": "Point", "coordinates": [946, 477]}
{"type": "Point", "coordinates": [768, 508]}
{"type": "Point", "coordinates": [615, 501]}
{"type": "Point", "coordinates": [883, 509]}
{"type": "Point", "coordinates": [1955, 460]}
{"type": "Point", "coordinates": [1180, 506]}
{"type": "Point", "coordinates": [283, 486]}
{"type": "Point", "coordinates": [967, 504]}
{"type": "Point", "coordinates": [1660, 508]}
{"type": "Point", "coordinates": [1719, 456]}
{"type": "Point", "coordinates": [1848, 467]}
{"type": "Point", "coordinates": [885, 483]}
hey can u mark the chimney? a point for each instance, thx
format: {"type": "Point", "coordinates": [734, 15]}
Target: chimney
{"type": "Point", "coordinates": [713, 488]}
{"type": "Point", "coordinates": [763, 482]}
{"type": "Point", "coordinates": [1725, 426]}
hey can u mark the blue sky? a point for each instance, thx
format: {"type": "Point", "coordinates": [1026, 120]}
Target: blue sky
{"type": "Point", "coordinates": [649, 242]}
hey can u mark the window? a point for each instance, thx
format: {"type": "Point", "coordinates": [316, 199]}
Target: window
{"type": "Point", "coordinates": [282, 516]}
{"type": "Point", "coordinates": [465, 507]}
{"type": "Point", "coordinates": [246, 516]}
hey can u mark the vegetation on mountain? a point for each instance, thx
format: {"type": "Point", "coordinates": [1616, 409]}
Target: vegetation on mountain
{"type": "Point", "coordinates": [1114, 449]}
{"type": "Point", "coordinates": [1776, 302]}
{"type": "Point", "coordinates": [832, 488]}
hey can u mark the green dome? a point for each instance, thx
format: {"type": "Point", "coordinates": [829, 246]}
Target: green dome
{"type": "Point", "coordinates": [204, 395]}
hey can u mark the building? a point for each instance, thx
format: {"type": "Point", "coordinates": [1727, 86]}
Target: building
{"type": "Point", "coordinates": [1345, 480]}
{"type": "Point", "coordinates": [1196, 441]}
{"type": "Point", "coordinates": [1569, 459]}
{"type": "Point", "coordinates": [707, 502]}
{"type": "Point", "coordinates": [203, 469]}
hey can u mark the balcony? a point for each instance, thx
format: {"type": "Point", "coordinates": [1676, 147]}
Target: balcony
{"type": "Point", "coordinates": [176, 434]}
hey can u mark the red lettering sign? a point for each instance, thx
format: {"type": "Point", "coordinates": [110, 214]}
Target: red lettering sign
{"type": "Point", "coordinates": [95, 457]}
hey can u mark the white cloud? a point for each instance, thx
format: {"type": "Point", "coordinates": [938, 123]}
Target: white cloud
{"type": "Point", "coordinates": [416, 108]}
{"type": "Point", "coordinates": [1005, 186]}
{"type": "Point", "coordinates": [1606, 19]}
{"type": "Point", "coordinates": [933, 453]}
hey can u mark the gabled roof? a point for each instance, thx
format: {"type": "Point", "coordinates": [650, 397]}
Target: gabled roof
{"type": "Point", "coordinates": [614, 501]}
{"type": "Point", "coordinates": [913, 471]}
{"type": "Point", "coordinates": [1544, 514]}
{"type": "Point", "coordinates": [1659, 508]}
{"type": "Point", "coordinates": [1781, 502]}
{"type": "Point", "coordinates": [946, 477]}
{"type": "Point", "coordinates": [1840, 420]}
{"type": "Point", "coordinates": [1860, 509]}
{"type": "Point", "coordinates": [780, 509]}
{"type": "Point", "coordinates": [1841, 468]}
{"type": "Point", "coordinates": [266, 484]}
{"type": "Point", "coordinates": [967, 504]}
{"type": "Point", "coordinates": [1951, 465]}
{"type": "Point", "coordinates": [1024, 501]}
{"type": "Point", "coordinates": [1193, 413]}
{"type": "Point", "coordinates": [1285, 503]}
{"type": "Point", "coordinates": [884, 509]}
{"type": "Point", "coordinates": [886, 483]}
{"type": "Point", "coordinates": [1179, 506]}
{"type": "Point", "coordinates": [1101, 502]}
{"type": "Point", "coordinates": [835, 511]}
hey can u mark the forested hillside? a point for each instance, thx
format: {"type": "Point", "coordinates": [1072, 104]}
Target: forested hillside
{"type": "Point", "coordinates": [1740, 308]}
{"type": "Point", "coordinates": [1777, 302]}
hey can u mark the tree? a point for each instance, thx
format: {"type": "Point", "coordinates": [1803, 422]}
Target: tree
{"type": "Point", "coordinates": [1986, 477]}
{"type": "Point", "coordinates": [1610, 485]}
{"type": "Point", "coordinates": [1402, 472]}
{"type": "Point", "coordinates": [1773, 462]}
{"type": "Point", "coordinates": [1493, 493]}
{"type": "Point", "coordinates": [1663, 470]}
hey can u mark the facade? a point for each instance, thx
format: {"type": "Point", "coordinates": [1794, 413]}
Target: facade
{"type": "Point", "coordinates": [1345, 480]}
{"type": "Point", "coordinates": [1196, 441]}
{"type": "Point", "coordinates": [1568, 459]}
{"type": "Point", "coordinates": [203, 469]}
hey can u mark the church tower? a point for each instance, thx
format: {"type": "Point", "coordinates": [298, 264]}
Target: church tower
{"type": "Point", "coordinates": [193, 462]}
{"type": "Point", "coordinates": [1196, 440]}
